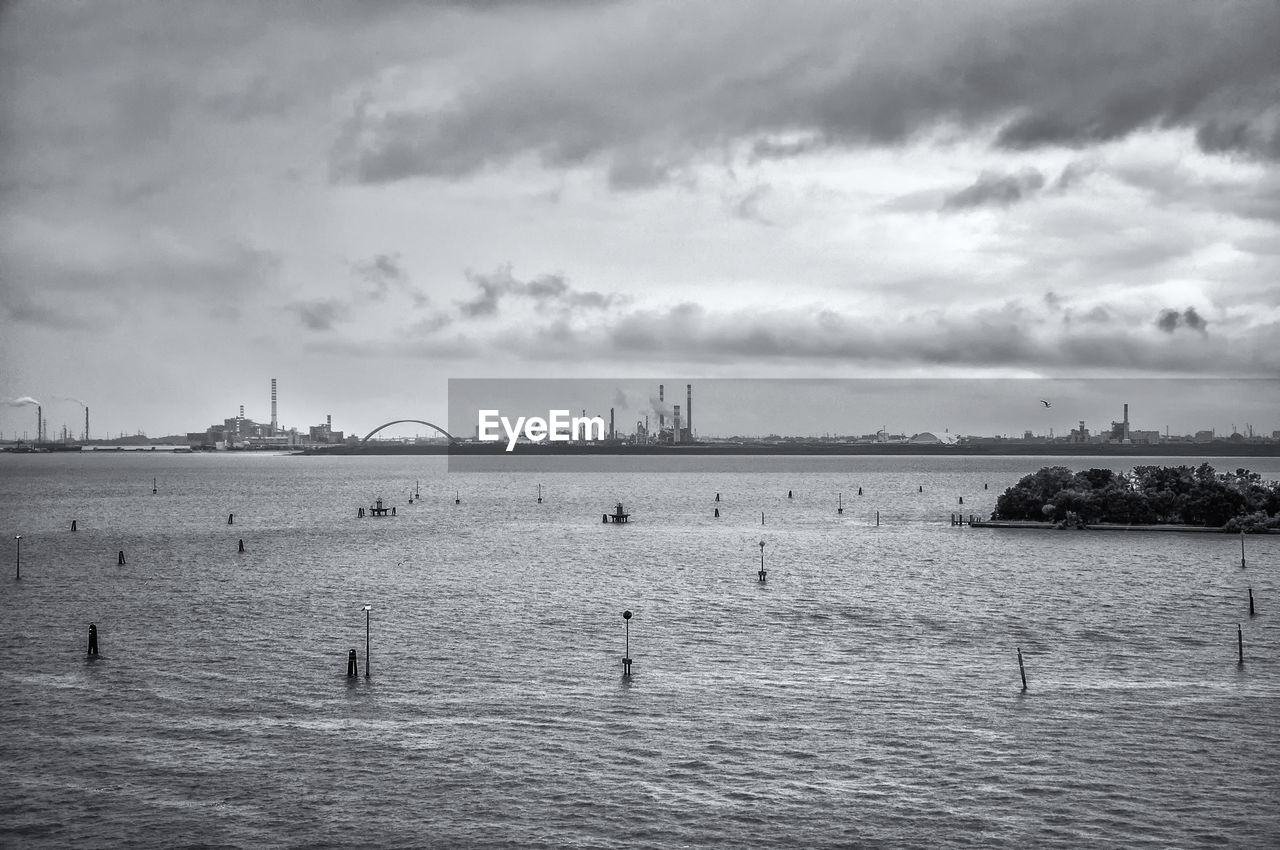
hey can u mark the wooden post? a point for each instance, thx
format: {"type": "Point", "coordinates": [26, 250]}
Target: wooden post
{"type": "Point", "coordinates": [1022, 670]}
{"type": "Point", "coordinates": [1251, 602]}
{"type": "Point", "coordinates": [1240, 643]}
{"type": "Point", "coordinates": [626, 653]}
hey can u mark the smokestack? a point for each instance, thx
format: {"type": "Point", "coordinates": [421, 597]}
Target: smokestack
{"type": "Point", "coordinates": [675, 426]}
{"type": "Point", "coordinates": [688, 409]}
{"type": "Point", "coordinates": [611, 423]}
{"type": "Point", "coordinates": [1126, 422]}
{"type": "Point", "coordinates": [39, 424]}
{"type": "Point", "coordinates": [86, 423]}
{"type": "Point", "coordinates": [273, 407]}
{"type": "Point", "coordinates": [662, 416]}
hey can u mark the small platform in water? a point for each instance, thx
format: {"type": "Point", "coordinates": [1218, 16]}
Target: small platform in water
{"type": "Point", "coordinates": [618, 515]}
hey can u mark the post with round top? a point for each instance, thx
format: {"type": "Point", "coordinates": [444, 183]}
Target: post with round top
{"type": "Point", "coordinates": [763, 573]}
{"type": "Point", "coordinates": [626, 654]}
{"type": "Point", "coordinates": [368, 663]}
{"type": "Point", "coordinates": [18, 539]}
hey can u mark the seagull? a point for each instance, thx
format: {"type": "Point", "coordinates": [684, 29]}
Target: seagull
{"type": "Point", "coordinates": [1045, 403]}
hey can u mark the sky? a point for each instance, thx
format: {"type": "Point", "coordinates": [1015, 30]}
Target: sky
{"type": "Point", "coordinates": [366, 200]}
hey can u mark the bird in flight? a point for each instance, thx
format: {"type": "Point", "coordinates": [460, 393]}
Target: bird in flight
{"type": "Point", "coordinates": [1045, 403]}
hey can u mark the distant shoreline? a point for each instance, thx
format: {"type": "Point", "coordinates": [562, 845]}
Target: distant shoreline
{"type": "Point", "coordinates": [1215, 449]}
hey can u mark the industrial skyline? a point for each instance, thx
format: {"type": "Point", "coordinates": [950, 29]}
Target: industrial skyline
{"type": "Point", "coordinates": [640, 409]}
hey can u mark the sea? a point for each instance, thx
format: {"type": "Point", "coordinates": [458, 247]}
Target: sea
{"type": "Point", "coordinates": [868, 693]}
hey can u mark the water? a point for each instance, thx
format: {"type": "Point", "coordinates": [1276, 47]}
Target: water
{"type": "Point", "coordinates": [867, 694]}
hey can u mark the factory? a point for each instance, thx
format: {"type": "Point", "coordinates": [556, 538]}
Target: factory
{"type": "Point", "coordinates": [240, 432]}
{"type": "Point", "coordinates": [674, 431]}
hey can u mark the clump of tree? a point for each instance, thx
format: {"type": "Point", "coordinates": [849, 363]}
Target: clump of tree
{"type": "Point", "coordinates": [1233, 501]}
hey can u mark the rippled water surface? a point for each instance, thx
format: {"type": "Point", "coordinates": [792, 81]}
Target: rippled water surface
{"type": "Point", "coordinates": [867, 693]}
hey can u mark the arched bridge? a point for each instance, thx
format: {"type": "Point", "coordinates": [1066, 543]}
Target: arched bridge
{"type": "Point", "coordinates": [452, 439]}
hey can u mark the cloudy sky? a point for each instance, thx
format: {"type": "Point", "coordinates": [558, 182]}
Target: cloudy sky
{"type": "Point", "coordinates": [364, 200]}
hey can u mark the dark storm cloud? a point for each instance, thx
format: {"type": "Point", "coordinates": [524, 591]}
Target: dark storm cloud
{"type": "Point", "coordinates": [1170, 320]}
{"type": "Point", "coordinates": [790, 80]}
{"type": "Point", "coordinates": [993, 189]}
{"type": "Point", "coordinates": [546, 292]}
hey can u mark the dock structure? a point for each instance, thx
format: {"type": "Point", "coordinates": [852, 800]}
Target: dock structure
{"type": "Point", "coordinates": [379, 509]}
{"type": "Point", "coordinates": [618, 515]}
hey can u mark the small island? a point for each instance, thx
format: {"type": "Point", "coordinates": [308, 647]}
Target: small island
{"type": "Point", "coordinates": [1150, 496]}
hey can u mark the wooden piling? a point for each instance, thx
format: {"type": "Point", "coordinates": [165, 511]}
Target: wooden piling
{"type": "Point", "coordinates": [1240, 643]}
{"type": "Point", "coordinates": [93, 639]}
{"type": "Point", "coordinates": [352, 664]}
{"type": "Point", "coordinates": [120, 558]}
{"type": "Point", "coordinates": [1022, 670]}
{"type": "Point", "coordinates": [241, 544]}
{"type": "Point", "coordinates": [1251, 602]}
{"type": "Point", "coordinates": [231, 519]}
{"type": "Point", "coordinates": [73, 525]}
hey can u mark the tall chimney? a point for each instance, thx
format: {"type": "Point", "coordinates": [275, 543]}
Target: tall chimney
{"type": "Point", "coordinates": [662, 416]}
{"type": "Point", "coordinates": [611, 423]}
{"type": "Point", "coordinates": [86, 423]}
{"type": "Point", "coordinates": [675, 426]}
{"type": "Point", "coordinates": [1126, 422]}
{"type": "Point", "coordinates": [273, 407]}
{"type": "Point", "coordinates": [39, 424]}
{"type": "Point", "coordinates": [688, 409]}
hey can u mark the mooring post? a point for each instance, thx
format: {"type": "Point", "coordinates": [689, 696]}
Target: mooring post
{"type": "Point", "coordinates": [231, 519]}
{"type": "Point", "coordinates": [717, 497]}
{"type": "Point", "coordinates": [762, 573]}
{"type": "Point", "coordinates": [1240, 643]}
{"type": "Point", "coordinates": [839, 503]}
{"type": "Point", "coordinates": [153, 486]}
{"type": "Point", "coordinates": [93, 639]}
{"type": "Point", "coordinates": [352, 666]}
{"type": "Point", "coordinates": [1251, 602]}
{"type": "Point", "coordinates": [788, 494]}
{"type": "Point", "coordinates": [457, 497]}
{"type": "Point", "coordinates": [859, 491]}
{"type": "Point", "coordinates": [921, 488]}
{"type": "Point", "coordinates": [717, 512]}
{"type": "Point", "coordinates": [1242, 548]}
{"type": "Point", "coordinates": [539, 494]}
{"type": "Point", "coordinates": [241, 544]}
{"type": "Point", "coordinates": [1022, 670]}
{"type": "Point", "coordinates": [368, 662]}
{"type": "Point", "coordinates": [877, 519]}
{"type": "Point", "coordinates": [360, 513]}
{"type": "Point", "coordinates": [626, 653]}
{"type": "Point", "coordinates": [120, 558]}
{"type": "Point", "coordinates": [73, 525]}
{"type": "Point", "coordinates": [962, 500]}
{"type": "Point", "coordinates": [18, 539]}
